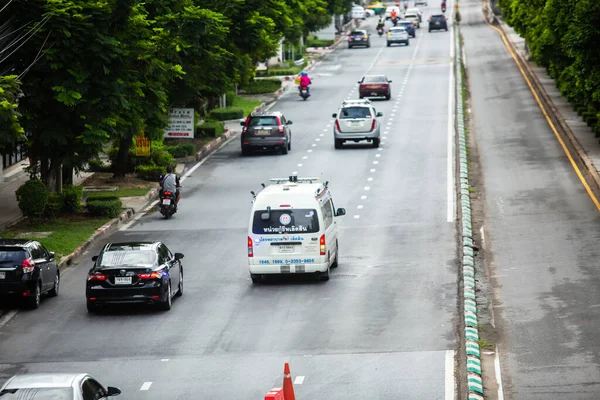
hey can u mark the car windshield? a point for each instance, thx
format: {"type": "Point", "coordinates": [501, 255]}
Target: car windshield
{"type": "Point", "coordinates": [437, 17]}
{"type": "Point", "coordinates": [10, 257]}
{"type": "Point", "coordinates": [355, 112]}
{"type": "Point", "coordinates": [410, 16]}
{"type": "Point", "coordinates": [397, 30]}
{"type": "Point", "coordinates": [377, 79]}
{"type": "Point", "coordinates": [263, 121]}
{"type": "Point", "coordinates": [37, 394]}
{"type": "Point", "coordinates": [286, 221]}
{"type": "Point", "coordinates": [358, 33]}
{"type": "Point", "coordinates": [405, 23]}
{"type": "Point", "coordinates": [129, 257]}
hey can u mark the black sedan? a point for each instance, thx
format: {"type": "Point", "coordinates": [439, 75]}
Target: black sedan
{"type": "Point", "coordinates": [134, 272]}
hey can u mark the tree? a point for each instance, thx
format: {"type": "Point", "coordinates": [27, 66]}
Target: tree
{"type": "Point", "coordinates": [10, 129]}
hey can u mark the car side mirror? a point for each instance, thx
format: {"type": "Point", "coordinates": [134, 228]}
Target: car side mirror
{"type": "Point", "coordinates": [178, 256]}
{"type": "Point", "coordinates": [290, 123]}
{"type": "Point", "coordinates": [113, 391]}
{"type": "Point", "coordinates": [380, 114]}
{"type": "Point", "coordinates": [359, 81]}
{"type": "Point", "coordinates": [334, 115]}
{"type": "Point", "coordinates": [52, 254]}
{"type": "Point", "coordinates": [340, 212]}
{"type": "Point", "coordinates": [94, 258]}
{"type": "Point", "coordinates": [242, 123]}
{"type": "Point", "coordinates": [389, 81]}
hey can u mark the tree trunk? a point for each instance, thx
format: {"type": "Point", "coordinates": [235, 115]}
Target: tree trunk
{"type": "Point", "coordinates": [120, 167]}
{"type": "Point", "coordinates": [67, 174]}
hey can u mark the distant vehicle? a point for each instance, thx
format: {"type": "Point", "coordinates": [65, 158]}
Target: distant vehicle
{"type": "Point", "coordinates": [357, 121]}
{"type": "Point", "coordinates": [397, 35]}
{"type": "Point", "coordinates": [134, 272]}
{"type": "Point", "coordinates": [374, 86]}
{"type": "Point", "coordinates": [292, 229]}
{"type": "Point", "coordinates": [421, 3]}
{"type": "Point", "coordinates": [369, 12]}
{"type": "Point", "coordinates": [388, 12]}
{"type": "Point", "coordinates": [56, 386]}
{"type": "Point", "coordinates": [415, 10]}
{"type": "Point", "coordinates": [414, 18]}
{"type": "Point", "coordinates": [359, 38]}
{"type": "Point", "coordinates": [358, 12]}
{"type": "Point", "coordinates": [438, 22]}
{"type": "Point", "coordinates": [409, 26]}
{"type": "Point", "coordinates": [264, 131]}
{"type": "Point", "coordinates": [29, 270]}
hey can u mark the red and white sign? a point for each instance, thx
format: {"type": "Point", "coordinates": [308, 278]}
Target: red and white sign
{"type": "Point", "coordinates": [181, 123]}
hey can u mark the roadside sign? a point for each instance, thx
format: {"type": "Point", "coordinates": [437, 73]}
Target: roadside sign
{"type": "Point", "coordinates": [181, 123]}
{"type": "Point", "coordinates": [142, 146]}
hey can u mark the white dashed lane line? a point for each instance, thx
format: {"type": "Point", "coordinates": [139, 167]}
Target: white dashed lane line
{"type": "Point", "coordinates": [299, 380]}
{"type": "Point", "coordinates": [363, 197]}
{"type": "Point", "coordinates": [360, 206]}
{"type": "Point", "coordinates": [367, 188]}
{"type": "Point", "coordinates": [146, 386]}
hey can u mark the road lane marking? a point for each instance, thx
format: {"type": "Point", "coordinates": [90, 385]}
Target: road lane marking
{"type": "Point", "coordinates": [360, 206]}
{"type": "Point", "coordinates": [146, 386]}
{"type": "Point", "coordinates": [363, 197]}
{"type": "Point", "coordinates": [322, 134]}
{"type": "Point", "coordinates": [314, 145]}
{"type": "Point", "coordinates": [299, 380]}
{"type": "Point", "coordinates": [304, 157]}
{"type": "Point", "coordinates": [377, 155]}
{"type": "Point", "coordinates": [309, 151]}
{"type": "Point", "coordinates": [380, 149]}
{"type": "Point", "coordinates": [375, 162]}
{"type": "Point", "coordinates": [450, 201]}
{"type": "Point", "coordinates": [372, 170]}
{"type": "Point", "coordinates": [164, 359]}
{"type": "Point", "coordinates": [356, 216]}
{"type": "Point", "coordinates": [295, 173]}
{"type": "Point", "coordinates": [449, 376]}
{"type": "Point", "coordinates": [7, 317]}
{"type": "Point", "coordinates": [317, 139]}
{"type": "Point", "coordinates": [498, 371]}
{"type": "Point", "coordinates": [299, 165]}
{"type": "Point", "coordinates": [367, 188]}
{"type": "Point", "coordinates": [369, 179]}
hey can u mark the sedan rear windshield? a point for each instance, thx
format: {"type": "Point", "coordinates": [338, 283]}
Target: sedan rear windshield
{"type": "Point", "coordinates": [263, 121]}
{"type": "Point", "coordinates": [121, 258]}
{"type": "Point", "coordinates": [37, 394]}
{"type": "Point", "coordinates": [397, 30]}
{"type": "Point", "coordinates": [358, 33]}
{"type": "Point", "coordinates": [10, 257]}
{"type": "Point", "coordinates": [355, 112]}
{"type": "Point", "coordinates": [286, 221]}
{"type": "Point", "coordinates": [378, 79]}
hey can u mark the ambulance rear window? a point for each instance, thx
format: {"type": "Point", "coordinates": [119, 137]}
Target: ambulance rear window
{"type": "Point", "coordinates": [286, 221]}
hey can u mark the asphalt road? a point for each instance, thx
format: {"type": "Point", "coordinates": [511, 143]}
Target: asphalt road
{"type": "Point", "coordinates": [382, 328]}
{"type": "Point", "coordinates": [541, 230]}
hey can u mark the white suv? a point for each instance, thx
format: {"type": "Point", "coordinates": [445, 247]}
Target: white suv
{"type": "Point", "coordinates": [356, 121]}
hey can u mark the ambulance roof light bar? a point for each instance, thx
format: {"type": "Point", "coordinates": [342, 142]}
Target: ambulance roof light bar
{"type": "Point", "coordinates": [293, 179]}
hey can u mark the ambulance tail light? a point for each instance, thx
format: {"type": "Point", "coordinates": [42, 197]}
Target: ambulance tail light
{"type": "Point", "coordinates": [250, 247]}
{"type": "Point", "coordinates": [322, 247]}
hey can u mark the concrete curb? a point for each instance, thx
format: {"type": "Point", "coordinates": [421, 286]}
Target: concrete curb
{"type": "Point", "coordinates": [208, 147]}
{"type": "Point", "coordinates": [562, 127]}
{"type": "Point", "coordinates": [472, 350]}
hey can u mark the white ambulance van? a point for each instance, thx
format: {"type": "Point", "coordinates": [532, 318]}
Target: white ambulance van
{"type": "Point", "coordinates": [292, 229]}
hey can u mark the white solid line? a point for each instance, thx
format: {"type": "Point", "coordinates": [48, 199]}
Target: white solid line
{"type": "Point", "coordinates": [450, 211]}
{"type": "Point", "coordinates": [363, 197]}
{"type": "Point", "coordinates": [360, 206]}
{"type": "Point", "coordinates": [269, 106]}
{"type": "Point", "coordinates": [482, 237]}
{"type": "Point", "coordinates": [146, 386]}
{"type": "Point", "coordinates": [498, 375]}
{"type": "Point", "coordinates": [449, 376]}
{"type": "Point", "coordinates": [7, 317]}
{"type": "Point", "coordinates": [299, 380]}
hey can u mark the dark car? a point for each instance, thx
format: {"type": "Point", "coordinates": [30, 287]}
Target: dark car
{"type": "Point", "coordinates": [266, 130]}
{"type": "Point", "coordinates": [375, 86]}
{"type": "Point", "coordinates": [134, 272]}
{"type": "Point", "coordinates": [410, 28]}
{"type": "Point", "coordinates": [438, 22]}
{"type": "Point", "coordinates": [27, 269]}
{"type": "Point", "coordinates": [359, 38]}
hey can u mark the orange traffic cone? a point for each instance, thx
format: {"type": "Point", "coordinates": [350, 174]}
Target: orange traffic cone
{"type": "Point", "coordinates": [288, 385]}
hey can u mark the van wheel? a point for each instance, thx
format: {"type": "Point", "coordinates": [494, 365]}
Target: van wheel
{"type": "Point", "coordinates": [337, 251]}
{"type": "Point", "coordinates": [324, 276]}
{"type": "Point", "coordinates": [255, 278]}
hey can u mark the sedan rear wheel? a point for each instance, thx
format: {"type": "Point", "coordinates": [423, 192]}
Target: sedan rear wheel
{"type": "Point", "coordinates": [338, 143]}
{"type": "Point", "coordinates": [180, 288]}
{"type": "Point", "coordinates": [92, 307]}
{"type": "Point", "coordinates": [166, 305]}
{"type": "Point", "coordinates": [376, 142]}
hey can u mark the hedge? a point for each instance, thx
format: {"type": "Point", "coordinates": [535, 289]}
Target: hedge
{"type": "Point", "coordinates": [104, 208]}
{"type": "Point", "coordinates": [72, 195]}
{"type": "Point", "coordinates": [228, 113]}
{"type": "Point", "coordinates": [54, 205]}
{"type": "Point", "coordinates": [210, 129]}
{"type": "Point", "coordinates": [263, 86]}
{"type": "Point", "coordinates": [182, 150]}
{"type": "Point", "coordinates": [150, 172]}
{"type": "Point", "coordinates": [99, 197]}
{"type": "Point", "coordinates": [319, 43]}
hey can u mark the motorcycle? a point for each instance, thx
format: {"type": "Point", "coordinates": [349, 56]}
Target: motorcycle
{"type": "Point", "coordinates": [168, 206]}
{"type": "Point", "coordinates": [304, 92]}
{"type": "Point", "coordinates": [395, 21]}
{"type": "Point", "coordinates": [444, 7]}
{"type": "Point", "coordinates": [380, 31]}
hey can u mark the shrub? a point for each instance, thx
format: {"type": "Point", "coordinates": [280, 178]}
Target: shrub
{"type": "Point", "coordinates": [150, 172]}
{"type": "Point", "coordinates": [54, 205]}
{"type": "Point", "coordinates": [227, 113]}
{"type": "Point", "coordinates": [99, 197]}
{"type": "Point", "coordinates": [210, 129]}
{"type": "Point", "coordinates": [181, 150]}
{"type": "Point", "coordinates": [229, 96]}
{"type": "Point", "coordinates": [263, 86]}
{"type": "Point", "coordinates": [96, 165]}
{"type": "Point", "coordinates": [319, 43]}
{"type": "Point", "coordinates": [32, 197]}
{"type": "Point", "coordinates": [160, 158]}
{"type": "Point", "coordinates": [104, 208]}
{"type": "Point", "coordinates": [283, 71]}
{"type": "Point", "coordinates": [71, 196]}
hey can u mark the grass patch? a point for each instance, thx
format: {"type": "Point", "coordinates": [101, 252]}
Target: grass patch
{"type": "Point", "coordinates": [124, 192]}
{"type": "Point", "coordinates": [67, 233]}
{"type": "Point", "coordinates": [246, 104]}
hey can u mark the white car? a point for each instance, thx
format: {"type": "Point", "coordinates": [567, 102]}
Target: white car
{"type": "Point", "coordinates": [415, 10]}
{"type": "Point", "coordinates": [397, 35]}
{"type": "Point", "coordinates": [414, 18]}
{"type": "Point", "coordinates": [369, 12]}
{"type": "Point", "coordinates": [388, 12]}
{"type": "Point", "coordinates": [358, 12]}
{"type": "Point", "coordinates": [421, 2]}
{"type": "Point", "coordinates": [292, 229]}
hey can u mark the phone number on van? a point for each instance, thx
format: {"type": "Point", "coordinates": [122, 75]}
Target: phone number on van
{"type": "Point", "coordinates": [293, 261]}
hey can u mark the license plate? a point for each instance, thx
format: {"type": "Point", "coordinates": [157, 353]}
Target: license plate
{"type": "Point", "coordinates": [2, 275]}
{"type": "Point", "coordinates": [262, 132]}
{"type": "Point", "coordinates": [373, 94]}
{"type": "Point", "coordinates": [355, 123]}
{"type": "Point", "coordinates": [122, 280]}
{"type": "Point", "coordinates": [166, 202]}
{"type": "Point", "coordinates": [437, 23]}
{"type": "Point", "coordinates": [286, 248]}
{"type": "Point", "coordinates": [285, 269]}
{"type": "Point", "coordinates": [358, 39]}
{"type": "Point", "coordinates": [299, 269]}
{"type": "Point", "coordinates": [304, 92]}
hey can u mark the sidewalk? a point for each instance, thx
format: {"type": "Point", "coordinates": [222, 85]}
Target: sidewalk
{"type": "Point", "coordinates": [587, 143]}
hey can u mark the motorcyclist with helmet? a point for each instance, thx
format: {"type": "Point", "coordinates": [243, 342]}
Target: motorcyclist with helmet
{"type": "Point", "coordinates": [169, 182]}
{"type": "Point", "coordinates": [305, 81]}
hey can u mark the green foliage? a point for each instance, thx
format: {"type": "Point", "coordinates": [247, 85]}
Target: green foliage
{"type": "Point", "coordinates": [32, 197]}
{"type": "Point", "coordinates": [54, 205]}
{"type": "Point", "coordinates": [210, 129]}
{"type": "Point", "coordinates": [227, 113]}
{"type": "Point", "coordinates": [319, 43]}
{"type": "Point", "coordinates": [104, 208]}
{"type": "Point", "coordinates": [101, 197]}
{"type": "Point", "coordinates": [182, 150]}
{"type": "Point", "coordinates": [150, 172]}
{"type": "Point", "coordinates": [262, 86]}
{"type": "Point", "coordinates": [10, 129]}
{"type": "Point", "coordinates": [71, 195]}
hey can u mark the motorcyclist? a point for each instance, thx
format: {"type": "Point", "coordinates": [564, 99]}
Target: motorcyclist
{"type": "Point", "coordinates": [305, 81]}
{"type": "Point", "coordinates": [393, 14]}
{"type": "Point", "coordinates": [380, 24]}
{"type": "Point", "coordinates": [169, 182]}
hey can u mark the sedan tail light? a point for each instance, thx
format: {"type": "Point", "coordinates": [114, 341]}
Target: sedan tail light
{"type": "Point", "coordinates": [28, 266]}
{"type": "Point", "coordinates": [97, 276]}
{"type": "Point", "coordinates": [150, 275]}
